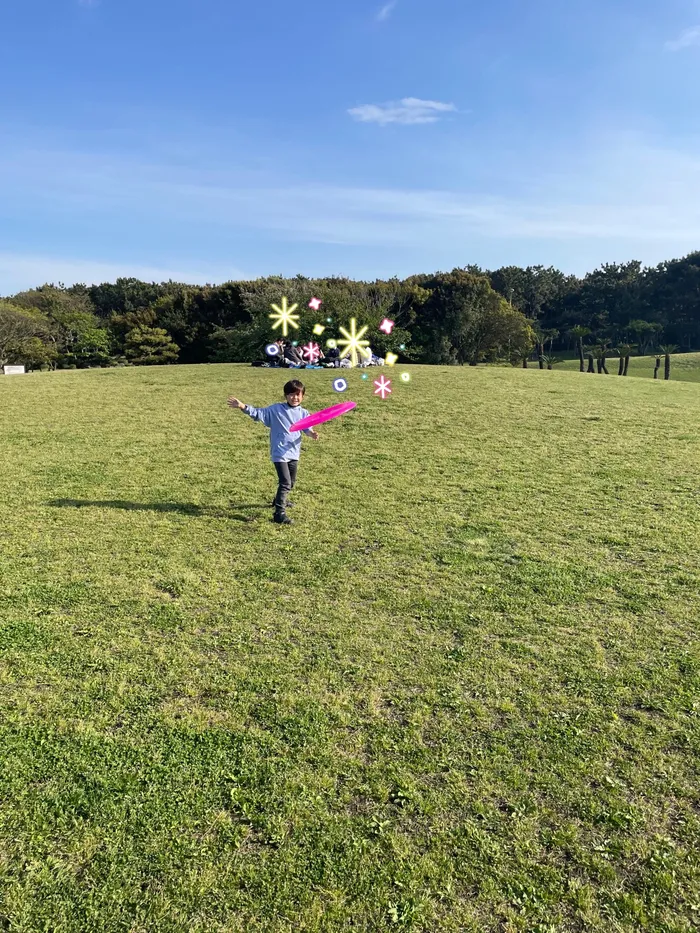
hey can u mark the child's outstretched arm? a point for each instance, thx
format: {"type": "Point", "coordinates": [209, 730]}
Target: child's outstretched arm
{"type": "Point", "coordinates": [257, 414]}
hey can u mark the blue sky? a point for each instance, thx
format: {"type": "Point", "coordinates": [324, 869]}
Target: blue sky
{"type": "Point", "coordinates": [206, 140]}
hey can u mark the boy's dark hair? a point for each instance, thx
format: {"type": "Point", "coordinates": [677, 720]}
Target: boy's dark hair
{"type": "Point", "coordinates": [294, 384]}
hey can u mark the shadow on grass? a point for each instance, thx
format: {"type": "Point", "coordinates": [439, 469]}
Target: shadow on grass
{"type": "Point", "coordinates": [184, 508]}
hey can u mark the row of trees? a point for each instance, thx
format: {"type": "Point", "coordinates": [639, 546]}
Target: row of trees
{"type": "Point", "coordinates": [469, 315]}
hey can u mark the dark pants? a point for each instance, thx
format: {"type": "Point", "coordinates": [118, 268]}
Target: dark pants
{"type": "Point", "coordinates": [287, 475]}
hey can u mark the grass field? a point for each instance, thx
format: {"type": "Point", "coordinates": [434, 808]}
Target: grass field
{"type": "Point", "coordinates": [462, 693]}
{"type": "Point", "coordinates": [685, 367]}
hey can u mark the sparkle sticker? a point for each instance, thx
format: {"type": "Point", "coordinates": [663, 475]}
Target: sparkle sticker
{"type": "Point", "coordinates": [383, 386]}
{"type": "Point", "coordinates": [386, 326]}
{"type": "Point", "coordinates": [315, 303]}
{"type": "Point", "coordinates": [390, 358]}
{"type": "Point", "coordinates": [354, 344]}
{"type": "Point", "coordinates": [405, 377]}
{"type": "Point", "coordinates": [311, 352]}
{"type": "Point", "coordinates": [284, 317]}
{"type": "Point", "coordinates": [365, 376]}
{"type": "Point", "coordinates": [340, 385]}
{"type": "Point", "coordinates": [272, 349]}
{"type": "Point", "coordinates": [318, 329]}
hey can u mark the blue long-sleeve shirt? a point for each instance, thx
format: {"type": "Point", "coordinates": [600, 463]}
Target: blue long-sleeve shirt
{"type": "Point", "coordinates": [284, 444]}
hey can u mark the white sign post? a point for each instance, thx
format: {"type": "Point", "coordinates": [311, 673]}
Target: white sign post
{"type": "Point", "coordinates": [13, 370]}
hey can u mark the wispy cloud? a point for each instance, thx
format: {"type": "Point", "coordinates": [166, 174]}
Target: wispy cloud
{"type": "Point", "coordinates": [385, 12]}
{"type": "Point", "coordinates": [685, 40]}
{"type": "Point", "coordinates": [409, 111]}
{"type": "Point", "coordinates": [625, 199]}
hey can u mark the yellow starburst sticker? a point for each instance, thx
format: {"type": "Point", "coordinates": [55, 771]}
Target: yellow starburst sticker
{"type": "Point", "coordinates": [284, 317]}
{"type": "Point", "coordinates": [354, 344]}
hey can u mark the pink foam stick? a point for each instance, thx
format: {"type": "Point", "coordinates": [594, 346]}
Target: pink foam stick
{"type": "Point", "coordinates": [324, 415]}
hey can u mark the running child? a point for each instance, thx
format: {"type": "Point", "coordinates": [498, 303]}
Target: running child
{"type": "Point", "coordinates": [285, 445]}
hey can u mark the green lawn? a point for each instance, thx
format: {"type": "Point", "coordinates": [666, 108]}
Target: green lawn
{"type": "Point", "coordinates": [461, 693]}
{"type": "Point", "coordinates": [685, 367]}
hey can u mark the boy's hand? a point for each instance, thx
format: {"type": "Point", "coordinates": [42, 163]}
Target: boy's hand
{"type": "Point", "coordinates": [314, 435]}
{"type": "Point", "coordinates": [235, 403]}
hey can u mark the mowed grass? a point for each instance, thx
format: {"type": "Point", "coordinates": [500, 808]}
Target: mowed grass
{"type": "Point", "coordinates": [685, 367]}
{"type": "Point", "coordinates": [461, 693]}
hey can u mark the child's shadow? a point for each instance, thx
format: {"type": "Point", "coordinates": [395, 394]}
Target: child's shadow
{"type": "Point", "coordinates": [184, 508]}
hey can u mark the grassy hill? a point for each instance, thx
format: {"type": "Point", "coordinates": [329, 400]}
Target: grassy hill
{"type": "Point", "coordinates": [460, 694]}
{"type": "Point", "coordinates": [685, 367]}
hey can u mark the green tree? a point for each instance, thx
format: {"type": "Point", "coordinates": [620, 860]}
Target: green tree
{"type": "Point", "coordinates": [18, 326]}
{"type": "Point", "coordinates": [551, 361]}
{"type": "Point", "coordinates": [625, 350]}
{"type": "Point", "coordinates": [465, 321]}
{"type": "Point", "coordinates": [579, 332]}
{"type": "Point", "coordinates": [36, 353]}
{"type": "Point", "coordinates": [667, 350]}
{"type": "Point", "coordinates": [601, 351]}
{"type": "Point", "coordinates": [150, 345]}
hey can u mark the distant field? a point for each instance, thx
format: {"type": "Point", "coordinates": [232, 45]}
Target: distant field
{"type": "Point", "coordinates": [685, 367]}
{"type": "Point", "coordinates": [462, 693]}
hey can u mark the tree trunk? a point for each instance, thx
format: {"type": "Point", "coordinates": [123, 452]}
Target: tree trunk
{"type": "Point", "coordinates": [599, 364]}
{"type": "Point", "coordinates": [627, 362]}
{"type": "Point", "coordinates": [591, 367]}
{"type": "Point", "coordinates": [667, 366]}
{"type": "Point", "coordinates": [549, 365]}
{"type": "Point", "coordinates": [656, 368]}
{"type": "Point", "coordinates": [540, 354]}
{"type": "Point", "coordinates": [580, 355]}
{"type": "Point", "coordinates": [524, 362]}
{"type": "Point", "coordinates": [621, 370]}
{"type": "Point", "coordinates": [604, 367]}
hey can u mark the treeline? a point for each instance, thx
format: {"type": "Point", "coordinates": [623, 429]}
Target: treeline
{"type": "Point", "coordinates": [469, 315]}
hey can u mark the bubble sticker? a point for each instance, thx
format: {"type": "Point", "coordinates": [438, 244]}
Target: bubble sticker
{"type": "Point", "coordinates": [331, 344]}
{"type": "Point", "coordinates": [340, 385]}
{"type": "Point", "coordinates": [405, 377]}
{"type": "Point", "coordinates": [329, 320]}
{"type": "Point", "coordinates": [272, 349]}
{"type": "Point", "coordinates": [364, 376]}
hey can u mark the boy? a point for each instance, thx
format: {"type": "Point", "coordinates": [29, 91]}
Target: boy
{"type": "Point", "coordinates": [285, 446]}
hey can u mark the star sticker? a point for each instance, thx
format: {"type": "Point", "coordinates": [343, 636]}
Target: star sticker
{"type": "Point", "coordinates": [354, 345]}
{"type": "Point", "coordinates": [315, 303]}
{"type": "Point", "coordinates": [386, 326]}
{"type": "Point", "coordinates": [311, 352]}
{"type": "Point", "coordinates": [383, 387]}
{"type": "Point", "coordinates": [390, 358]}
{"type": "Point", "coordinates": [318, 329]}
{"type": "Point", "coordinates": [285, 317]}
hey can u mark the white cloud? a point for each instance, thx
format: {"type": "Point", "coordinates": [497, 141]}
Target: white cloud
{"type": "Point", "coordinates": [386, 11]}
{"type": "Point", "coordinates": [685, 40]}
{"type": "Point", "coordinates": [409, 111]}
{"type": "Point", "coordinates": [19, 272]}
